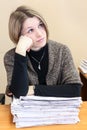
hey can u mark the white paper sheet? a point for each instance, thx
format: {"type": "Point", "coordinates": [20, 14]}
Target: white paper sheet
{"type": "Point", "coordinates": [37, 110]}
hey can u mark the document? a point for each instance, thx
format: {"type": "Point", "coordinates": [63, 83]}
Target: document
{"type": "Point", "coordinates": [83, 66]}
{"type": "Point", "coordinates": [30, 111]}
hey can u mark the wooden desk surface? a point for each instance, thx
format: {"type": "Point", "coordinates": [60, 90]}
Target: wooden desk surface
{"type": "Point", "coordinates": [7, 124]}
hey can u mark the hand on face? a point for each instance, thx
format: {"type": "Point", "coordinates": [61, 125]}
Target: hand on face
{"type": "Point", "coordinates": [24, 44]}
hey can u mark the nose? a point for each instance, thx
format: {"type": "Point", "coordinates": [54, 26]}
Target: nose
{"type": "Point", "coordinates": [38, 32]}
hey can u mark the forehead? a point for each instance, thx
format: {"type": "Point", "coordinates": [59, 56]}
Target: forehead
{"type": "Point", "coordinates": [31, 22]}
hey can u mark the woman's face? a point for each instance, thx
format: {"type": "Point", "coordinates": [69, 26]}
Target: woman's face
{"type": "Point", "coordinates": [34, 29]}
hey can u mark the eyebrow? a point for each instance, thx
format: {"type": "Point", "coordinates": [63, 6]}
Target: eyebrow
{"type": "Point", "coordinates": [31, 26]}
{"type": "Point", "coordinates": [38, 24]}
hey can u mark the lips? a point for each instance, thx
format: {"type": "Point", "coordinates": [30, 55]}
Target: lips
{"type": "Point", "coordinates": [40, 40]}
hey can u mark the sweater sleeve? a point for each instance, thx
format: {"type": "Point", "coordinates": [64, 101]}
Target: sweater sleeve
{"type": "Point", "coordinates": [19, 82]}
{"type": "Point", "coordinates": [66, 90]}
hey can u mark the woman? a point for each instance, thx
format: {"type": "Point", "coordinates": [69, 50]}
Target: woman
{"type": "Point", "coordinates": [38, 65]}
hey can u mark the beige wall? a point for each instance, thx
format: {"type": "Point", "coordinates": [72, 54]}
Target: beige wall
{"type": "Point", "coordinates": [67, 22]}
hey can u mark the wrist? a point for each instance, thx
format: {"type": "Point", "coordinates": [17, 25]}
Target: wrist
{"type": "Point", "coordinates": [31, 90]}
{"type": "Point", "coordinates": [20, 51]}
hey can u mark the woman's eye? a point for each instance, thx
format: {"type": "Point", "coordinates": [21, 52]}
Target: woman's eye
{"type": "Point", "coordinates": [41, 25]}
{"type": "Point", "coordinates": [30, 30]}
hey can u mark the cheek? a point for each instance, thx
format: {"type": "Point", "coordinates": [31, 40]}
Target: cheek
{"type": "Point", "coordinates": [44, 32]}
{"type": "Point", "coordinates": [31, 36]}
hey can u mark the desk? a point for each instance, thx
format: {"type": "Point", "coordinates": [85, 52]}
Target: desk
{"type": "Point", "coordinates": [7, 124]}
{"type": "Point", "coordinates": [83, 77]}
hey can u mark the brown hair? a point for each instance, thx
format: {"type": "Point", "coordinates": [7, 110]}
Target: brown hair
{"type": "Point", "coordinates": [17, 19]}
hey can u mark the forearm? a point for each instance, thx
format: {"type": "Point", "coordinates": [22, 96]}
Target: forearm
{"type": "Point", "coordinates": [19, 83]}
{"type": "Point", "coordinates": [66, 90]}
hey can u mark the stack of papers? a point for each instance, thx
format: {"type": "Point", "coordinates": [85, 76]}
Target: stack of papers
{"type": "Point", "coordinates": [36, 110]}
{"type": "Point", "coordinates": [83, 66]}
